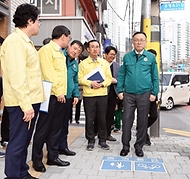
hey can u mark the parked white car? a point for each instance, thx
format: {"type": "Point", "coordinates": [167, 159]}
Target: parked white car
{"type": "Point", "coordinates": [175, 87]}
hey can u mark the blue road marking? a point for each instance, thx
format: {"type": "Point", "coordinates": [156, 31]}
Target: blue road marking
{"type": "Point", "coordinates": [115, 165]}
{"type": "Point", "coordinates": [149, 166]}
{"type": "Point", "coordinates": [117, 158]}
{"type": "Point", "coordinates": [132, 164]}
{"type": "Point", "coordinates": [133, 159]}
{"type": "Point", "coordinates": [147, 159]}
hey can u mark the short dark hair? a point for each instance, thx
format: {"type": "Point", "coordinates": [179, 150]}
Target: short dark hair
{"type": "Point", "coordinates": [93, 40]}
{"type": "Point", "coordinates": [79, 43]}
{"type": "Point", "coordinates": [23, 13]}
{"type": "Point", "coordinates": [152, 51]}
{"type": "Point", "coordinates": [139, 33]}
{"type": "Point", "coordinates": [109, 48]}
{"type": "Point", "coordinates": [46, 40]}
{"type": "Point", "coordinates": [1, 40]}
{"type": "Point", "coordinates": [59, 30]}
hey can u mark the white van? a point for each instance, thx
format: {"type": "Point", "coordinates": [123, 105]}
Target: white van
{"type": "Point", "coordinates": [175, 89]}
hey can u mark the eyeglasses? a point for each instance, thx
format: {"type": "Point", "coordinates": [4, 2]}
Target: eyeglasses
{"type": "Point", "coordinates": [112, 54]}
{"type": "Point", "coordinates": [139, 40]}
{"type": "Point", "coordinates": [39, 21]}
{"type": "Point", "coordinates": [70, 38]}
{"type": "Point", "coordinates": [77, 50]}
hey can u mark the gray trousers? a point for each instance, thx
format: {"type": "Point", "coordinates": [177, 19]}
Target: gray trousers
{"type": "Point", "coordinates": [131, 102]}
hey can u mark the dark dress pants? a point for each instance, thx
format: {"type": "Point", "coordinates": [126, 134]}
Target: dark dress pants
{"type": "Point", "coordinates": [48, 130]}
{"type": "Point", "coordinates": [20, 136]}
{"type": "Point", "coordinates": [153, 113]}
{"type": "Point", "coordinates": [112, 99]}
{"type": "Point", "coordinates": [95, 108]}
{"type": "Point", "coordinates": [65, 126]}
{"type": "Point", "coordinates": [5, 126]}
{"type": "Point", "coordinates": [71, 113]}
{"type": "Point", "coordinates": [141, 102]}
{"type": "Point", "coordinates": [77, 112]}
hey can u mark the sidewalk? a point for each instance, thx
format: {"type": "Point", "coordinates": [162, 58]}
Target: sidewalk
{"type": "Point", "coordinates": [173, 150]}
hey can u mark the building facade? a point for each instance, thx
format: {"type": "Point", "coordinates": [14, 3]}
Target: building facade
{"type": "Point", "coordinates": [4, 12]}
{"type": "Point", "coordinates": [175, 43]}
{"type": "Point", "coordinates": [83, 17]}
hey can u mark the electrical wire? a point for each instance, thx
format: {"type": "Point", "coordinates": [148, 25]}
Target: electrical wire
{"type": "Point", "coordinates": [123, 19]}
{"type": "Point", "coordinates": [126, 9]}
{"type": "Point", "coordinates": [129, 18]}
{"type": "Point", "coordinates": [132, 19]}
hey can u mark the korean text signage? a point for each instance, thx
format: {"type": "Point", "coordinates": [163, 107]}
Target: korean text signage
{"type": "Point", "coordinates": [48, 7]}
{"type": "Point", "coordinates": [172, 6]}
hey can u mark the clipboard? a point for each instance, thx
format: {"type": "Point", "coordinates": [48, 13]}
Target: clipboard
{"type": "Point", "coordinates": [47, 89]}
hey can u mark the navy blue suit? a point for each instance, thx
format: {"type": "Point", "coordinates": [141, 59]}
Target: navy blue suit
{"type": "Point", "coordinates": [19, 140]}
{"type": "Point", "coordinates": [112, 98]}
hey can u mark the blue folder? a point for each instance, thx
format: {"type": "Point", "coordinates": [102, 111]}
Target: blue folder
{"type": "Point", "coordinates": [96, 76]}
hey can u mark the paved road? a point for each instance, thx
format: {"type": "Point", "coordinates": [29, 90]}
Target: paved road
{"type": "Point", "coordinates": [173, 122]}
{"type": "Point", "coordinates": [176, 119]}
{"type": "Point", "coordinates": [172, 149]}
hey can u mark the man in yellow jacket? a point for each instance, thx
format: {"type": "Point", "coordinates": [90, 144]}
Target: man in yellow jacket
{"type": "Point", "coordinates": [22, 88]}
{"type": "Point", "coordinates": [95, 94]}
{"type": "Point", "coordinates": [49, 125]}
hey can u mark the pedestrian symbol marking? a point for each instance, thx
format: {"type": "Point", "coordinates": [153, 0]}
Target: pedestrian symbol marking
{"type": "Point", "coordinates": [132, 164]}
{"type": "Point", "coordinates": [116, 165]}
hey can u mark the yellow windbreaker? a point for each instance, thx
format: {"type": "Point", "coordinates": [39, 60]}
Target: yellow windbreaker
{"type": "Point", "coordinates": [53, 65]}
{"type": "Point", "coordinates": [85, 67]}
{"type": "Point", "coordinates": [22, 78]}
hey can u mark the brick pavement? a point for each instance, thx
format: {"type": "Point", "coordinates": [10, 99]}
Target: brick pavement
{"type": "Point", "coordinates": [173, 150]}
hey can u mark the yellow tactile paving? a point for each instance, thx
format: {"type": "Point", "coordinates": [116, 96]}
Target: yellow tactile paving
{"type": "Point", "coordinates": [74, 133]}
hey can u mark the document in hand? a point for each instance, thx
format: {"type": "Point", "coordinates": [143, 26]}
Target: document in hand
{"type": "Point", "coordinates": [47, 89]}
{"type": "Point", "coordinates": [96, 74]}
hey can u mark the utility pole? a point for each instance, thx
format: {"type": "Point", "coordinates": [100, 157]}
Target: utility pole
{"type": "Point", "coordinates": [146, 20]}
{"type": "Point", "coordinates": [150, 24]}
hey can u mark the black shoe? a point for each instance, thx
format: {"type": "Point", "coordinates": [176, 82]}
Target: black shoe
{"type": "Point", "coordinates": [148, 143]}
{"type": "Point", "coordinates": [90, 146]}
{"type": "Point", "coordinates": [139, 152]}
{"type": "Point", "coordinates": [148, 140]}
{"type": "Point", "coordinates": [39, 167]}
{"type": "Point", "coordinates": [4, 143]}
{"type": "Point", "coordinates": [103, 145]}
{"type": "Point", "coordinates": [110, 138]}
{"type": "Point", "coordinates": [28, 176]}
{"type": "Point", "coordinates": [2, 154]}
{"type": "Point", "coordinates": [67, 152]}
{"type": "Point", "coordinates": [77, 122]}
{"type": "Point", "coordinates": [116, 130]}
{"type": "Point", "coordinates": [124, 152]}
{"type": "Point", "coordinates": [58, 162]}
{"type": "Point", "coordinates": [112, 127]}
